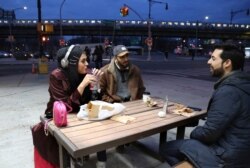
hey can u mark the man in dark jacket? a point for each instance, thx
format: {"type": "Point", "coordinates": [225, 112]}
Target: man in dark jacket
{"type": "Point", "coordinates": [224, 139]}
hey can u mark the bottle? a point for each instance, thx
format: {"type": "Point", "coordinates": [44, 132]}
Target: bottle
{"type": "Point", "coordinates": [94, 91]}
{"type": "Point", "coordinates": [165, 106]}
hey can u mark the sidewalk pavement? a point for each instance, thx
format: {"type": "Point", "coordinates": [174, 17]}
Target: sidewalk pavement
{"type": "Point", "coordinates": [24, 98]}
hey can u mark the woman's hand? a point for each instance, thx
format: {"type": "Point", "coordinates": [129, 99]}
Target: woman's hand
{"type": "Point", "coordinates": [89, 78]}
{"type": "Point", "coordinates": [97, 72]}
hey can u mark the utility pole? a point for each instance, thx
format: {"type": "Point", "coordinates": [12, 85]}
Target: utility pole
{"type": "Point", "coordinates": [39, 24]}
{"type": "Point", "coordinates": [149, 29]}
{"type": "Point", "coordinates": [61, 33]}
{"type": "Point", "coordinates": [11, 38]}
{"type": "Point", "coordinates": [149, 39]}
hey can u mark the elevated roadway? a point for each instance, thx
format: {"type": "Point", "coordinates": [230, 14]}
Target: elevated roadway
{"type": "Point", "coordinates": [28, 28]}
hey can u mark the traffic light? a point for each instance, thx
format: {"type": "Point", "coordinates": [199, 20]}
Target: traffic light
{"type": "Point", "coordinates": [247, 12]}
{"type": "Point", "coordinates": [44, 39]}
{"type": "Point", "coordinates": [45, 28]}
{"type": "Point", "coordinates": [124, 11]}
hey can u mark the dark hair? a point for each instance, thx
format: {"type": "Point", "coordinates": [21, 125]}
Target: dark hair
{"type": "Point", "coordinates": [232, 52]}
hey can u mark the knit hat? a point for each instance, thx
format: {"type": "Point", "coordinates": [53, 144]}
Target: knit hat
{"type": "Point", "coordinates": [74, 55]}
{"type": "Point", "coordinates": [120, 50]}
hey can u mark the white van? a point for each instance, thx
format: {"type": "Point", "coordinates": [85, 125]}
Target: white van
{"type": "Point", "coordinates": [247, 52]}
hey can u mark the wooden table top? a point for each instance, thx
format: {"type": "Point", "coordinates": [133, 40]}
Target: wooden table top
{"type": "Point", "coordinates": [82, 137]}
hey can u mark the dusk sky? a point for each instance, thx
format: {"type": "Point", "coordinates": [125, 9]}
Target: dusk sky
{"type": "Point", "coordinates": [178, 10]}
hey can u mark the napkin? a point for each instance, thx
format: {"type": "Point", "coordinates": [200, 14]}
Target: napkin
{"type": "Point", "coordinates": [123, 118]}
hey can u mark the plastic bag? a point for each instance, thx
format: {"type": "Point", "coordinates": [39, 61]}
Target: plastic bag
{"type": "Point", "coordinates": [105, 110]}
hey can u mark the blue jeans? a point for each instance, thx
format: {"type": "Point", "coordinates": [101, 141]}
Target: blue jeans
{"type": "Point", "coordinates": [171, 153]}
{"type": "Point", "coordinates": [199, 154]}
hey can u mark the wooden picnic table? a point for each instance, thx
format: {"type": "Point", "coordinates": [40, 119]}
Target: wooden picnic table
{"type": "Point", "coordinates": [83, 137]}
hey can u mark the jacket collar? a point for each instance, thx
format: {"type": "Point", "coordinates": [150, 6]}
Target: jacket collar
{"type": "Point", "coordinates": [224, 78]}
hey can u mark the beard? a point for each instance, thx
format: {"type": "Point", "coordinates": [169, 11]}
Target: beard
{"type": "Point", "coordinates": [219, 72]}
{"type": "Point", "coordinates": [123, 65]}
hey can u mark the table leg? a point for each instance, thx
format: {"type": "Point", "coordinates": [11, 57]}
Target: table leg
{"type": "Point", "coordinates": [163, 137]}
{"type": "Point", "coordinates": [180, 132]}
{"type": "Point", "coordinates": [63, 157]}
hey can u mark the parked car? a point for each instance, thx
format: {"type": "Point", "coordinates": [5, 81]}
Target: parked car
{"type": "Point", "coordinates": [5, 54]}
{"type": "Point", "coordinates": [22, 55]}
{"type": "Point", "coordinates": [37, 55]}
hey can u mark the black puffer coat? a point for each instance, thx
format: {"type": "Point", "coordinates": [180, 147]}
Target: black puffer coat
{"type": "Point", "coordinates": [227, 129]}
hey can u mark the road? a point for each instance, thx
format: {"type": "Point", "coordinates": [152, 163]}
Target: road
{"type": "Point", "coordinates": [180, 66]}
{"type": "Point", "coordinates": [175, 66]}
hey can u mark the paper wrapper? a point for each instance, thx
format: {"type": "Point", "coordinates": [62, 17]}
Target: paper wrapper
{"type": "Point", "coordinates": [185, 111]}
{"type": "Point", "coordinates": [123, 118]}
{"type": "Point", "coordinates": [105, 110]}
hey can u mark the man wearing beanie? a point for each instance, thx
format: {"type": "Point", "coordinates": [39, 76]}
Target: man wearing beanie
{"type": "Point", "coordinates": [121, 80]}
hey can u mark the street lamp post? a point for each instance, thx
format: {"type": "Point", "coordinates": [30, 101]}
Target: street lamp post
{"type": "Point", "coordinates": [196, 40]}
{"type": "Point", "coordinates": [149, 39]}
{"type": "Point", "coordinates": [196, 37]}
{"type": "Point", "coordinates": [11, 37]}
{"type": "Point", "coordinates": [149, 28]}
{"type": "Point", "coordinates": [61, 33]}
{"type": "Point", "coordinates": [233, 13]}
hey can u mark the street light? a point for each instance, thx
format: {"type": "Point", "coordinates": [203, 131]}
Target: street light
{"type": "Point", "coordinates": [233, 13]}
{"type": "Point", "coordinates": [11, 37]}
{"type": "Point", "coordinates": [61, 33]}
{"type": "Point", "coordinates": [149, 39]}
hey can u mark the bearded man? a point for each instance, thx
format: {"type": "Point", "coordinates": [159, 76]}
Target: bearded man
{"type": "Point", "coordinates": [121, 80]}
{"type": "Point", "coordinates": [224, 139]}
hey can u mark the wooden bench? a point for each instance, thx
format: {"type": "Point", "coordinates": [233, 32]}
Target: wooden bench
{"type": "Point", "coordinates": [184, 164]}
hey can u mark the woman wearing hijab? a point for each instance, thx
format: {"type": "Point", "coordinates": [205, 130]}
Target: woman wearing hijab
{"type": "Point", "coordinates": [69, 82]}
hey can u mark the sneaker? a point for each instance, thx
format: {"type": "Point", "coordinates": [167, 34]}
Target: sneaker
{"type": "Point", "coordinates": [100, 164]}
